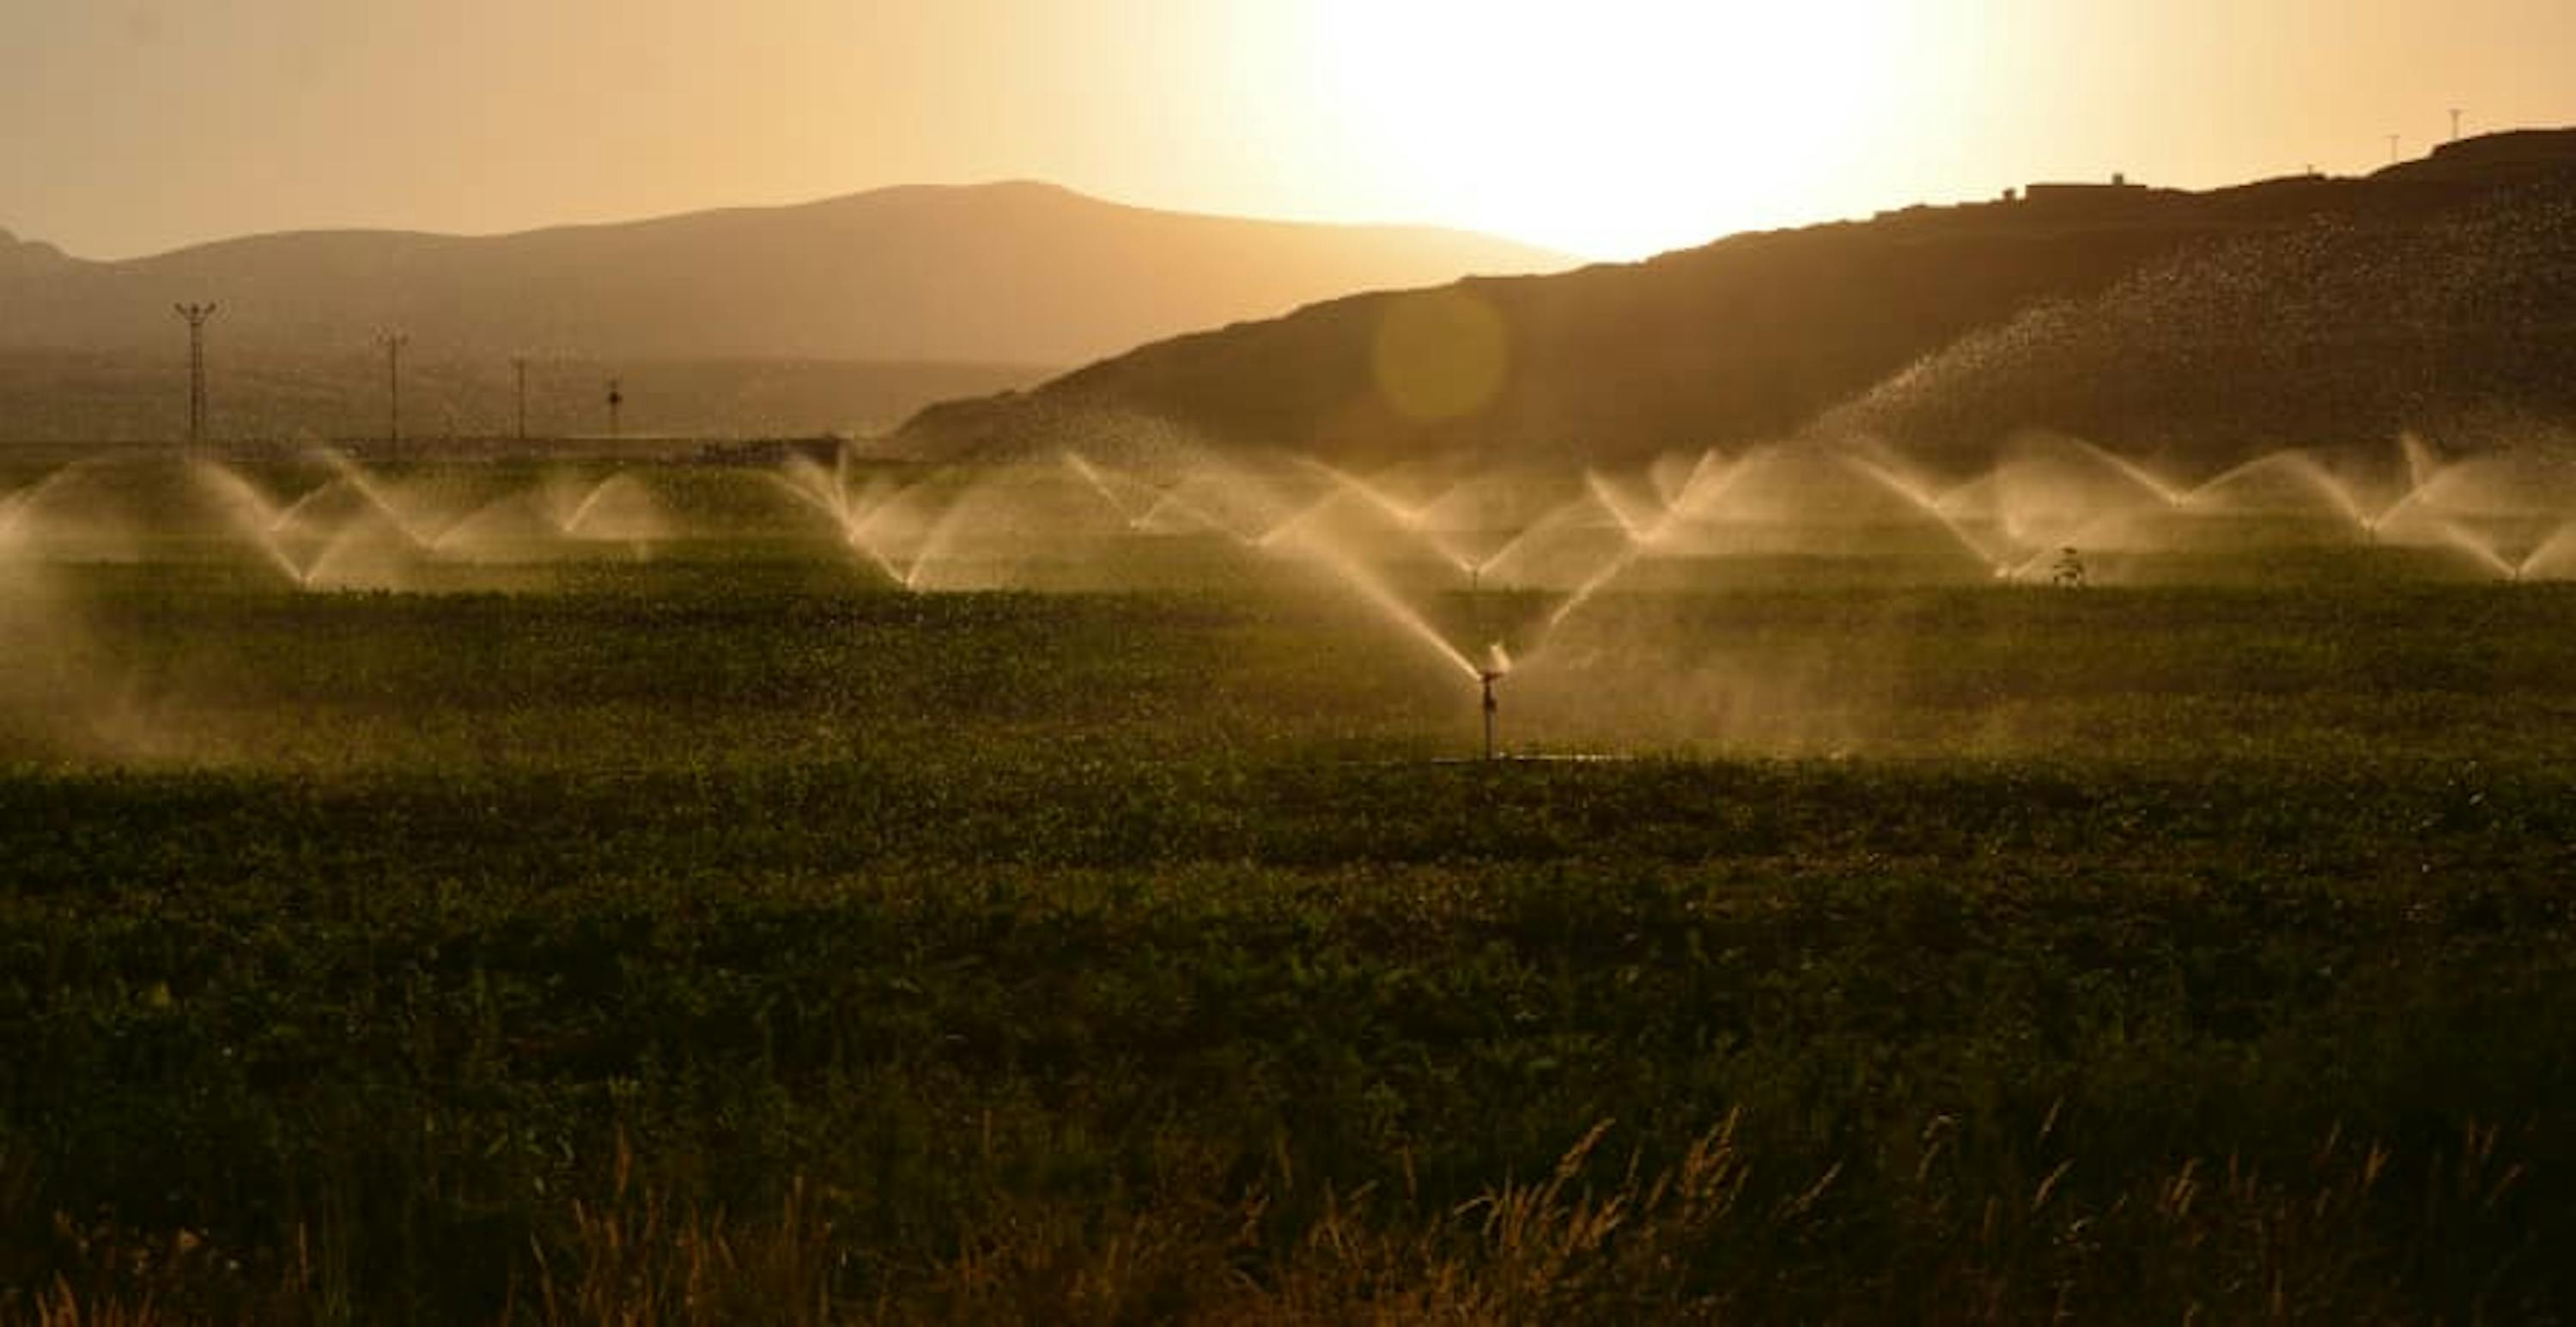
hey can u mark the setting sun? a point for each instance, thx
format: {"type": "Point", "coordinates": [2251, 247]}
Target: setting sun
{"type": "Point", "coordinates": [1611, 127]}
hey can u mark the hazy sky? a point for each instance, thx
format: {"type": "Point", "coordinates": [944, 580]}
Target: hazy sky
{"type": "Point", "coordinates": [1608, 128]}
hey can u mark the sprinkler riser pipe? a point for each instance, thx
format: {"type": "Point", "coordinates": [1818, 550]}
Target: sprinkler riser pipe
{"type": "Point", "coordinates": [1486, 681]}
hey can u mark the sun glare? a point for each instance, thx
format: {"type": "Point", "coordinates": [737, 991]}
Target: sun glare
{"type": "Point", "coordinates": [1613, 128]}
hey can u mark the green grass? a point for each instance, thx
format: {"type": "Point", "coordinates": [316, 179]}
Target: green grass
{"type": "Point", "coordinates": [734, 940]}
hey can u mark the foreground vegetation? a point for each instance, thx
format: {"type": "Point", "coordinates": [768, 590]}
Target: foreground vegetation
{"type": "Point", "coordinates": [741, 944]}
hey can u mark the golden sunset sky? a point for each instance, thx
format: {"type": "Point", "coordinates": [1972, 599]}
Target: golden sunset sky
{"type": "Point", "coordinates": [1606, 128]}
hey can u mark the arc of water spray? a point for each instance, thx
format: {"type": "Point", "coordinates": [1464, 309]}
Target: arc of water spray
{"type": "Point", "coordinates": [2423, 464]}
{"type": "Point", "coordinates": [1337, 487]}
{"type": "Point", "coordinates": [1696, 496]}
{"type": "Point", "coordinates": [21, 505]}
{"type": "Point", "coordinates": [10, 505]}
{"type": "Point", "coordinates": [1631, 524]}
{"type": "Point", "coordinates": [1384, 597]}
{"type": "Point", "coordinates": [259, 517]}
{"type": "Point", "coordinates": [1163, 501]}
{"type": "Point", "coordinates": [2477, 548]}
{"type": "Point", "coordinates": [367, 488]}
{"type": "Point", "coordinates": [1928, 505]}
{"type": "Point", "coordinates": [1367, 492]}
{"type": "Point", "coordinates": [571, 525]}
{"type": "Point", "coordinates": [1564, 516]}
{"type": "Point", "coordinates": [860, 533]}
{"type": "Point", "coordinates": [2559, 547]}
{"type": "Point", "coordinates": [2418, 505]}
{"type": "Point", "coordinates": [934, 542]}
{"type": "Point", "coordinates": [1099, 483]}
{"type": "Point", "coordinates": [2201, 498]}
{"type": "Point", "coordinates": [2301, 467]}
{"type": "Point", "coordinates": [1407, 517]}
{"type": "Point", "coordinates": [806, 483]}
{"type": "Point", "coordinates": [2138, 474]}
{"type": "Point", "coordinates": [858, 539]}
{"type": "Point", "coordinates": [1413, 520]}
{"type": "Point", "coordinates": [1708, 456]}
{"type": "Point", "coordinates": [853, 516]}
{"type": "Point", "coordinates": [1172, 501]}
{"type": "Point", "coordinates": [2416, 498]}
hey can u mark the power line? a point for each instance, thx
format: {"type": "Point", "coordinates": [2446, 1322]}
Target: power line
{"type": "Point", "coordinates": [196, 314]}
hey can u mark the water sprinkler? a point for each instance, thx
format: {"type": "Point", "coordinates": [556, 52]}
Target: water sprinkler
{"type": "Point", "coordinates": [1486, 678]}
{"type": "Point", "coordinates": [1497, 664]}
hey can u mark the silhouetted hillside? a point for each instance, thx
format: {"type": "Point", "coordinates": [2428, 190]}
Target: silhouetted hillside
{"type": "Point", "coordinates": [20, 258]}
{"type": "Point", "coordinates": [1008, 273]}
{"type": "Point", "coordinates": [2352, 326]}
{"type": "Point", "coordinates": [2515, 155]}
{"type": "Point", "coordinates": [2183, 322]}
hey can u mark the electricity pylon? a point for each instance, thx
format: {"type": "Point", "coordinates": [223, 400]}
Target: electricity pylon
{"type": "Point", "coordinates": [196, 314]}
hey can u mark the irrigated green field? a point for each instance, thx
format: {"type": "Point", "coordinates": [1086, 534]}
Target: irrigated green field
{"type": "Point", "coordinates": [733, 940]}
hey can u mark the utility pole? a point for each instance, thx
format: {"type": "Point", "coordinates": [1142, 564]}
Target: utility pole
{"type": "Point", "coordinates": [196, 314]}
{"type": "Point", "coordinates": [616, 398]}
{"type": "Point", "coordinates": [2392, 149]}
{"type": "Point", "coordinates": [520, 364]}
{"type": "Point", "coordinates": [393, 342]}
{"type": "Point", "coordinates": [2455, 124]}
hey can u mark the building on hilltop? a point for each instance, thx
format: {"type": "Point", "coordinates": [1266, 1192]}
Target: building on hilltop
{"type": "Point", "coordinates": [2083, 192]}
{"type": "Point", "coordinates": [2063, 200]}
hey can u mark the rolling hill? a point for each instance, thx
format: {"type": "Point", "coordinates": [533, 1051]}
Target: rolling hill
{"type": "Point", "coordinates": [1005, 273]}
{"type": "Point", "coordinates": [2199, 327]}
{"type": "Point", "coordinates": [982, 286]}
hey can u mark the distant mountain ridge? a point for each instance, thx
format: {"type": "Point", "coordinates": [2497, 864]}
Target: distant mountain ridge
{"type": "Point", "coordinates": [2197, 326]}
{"type": "Point", "coordinates": [988, 274]}
{"type": "Point", "coordinates": [27, 256]}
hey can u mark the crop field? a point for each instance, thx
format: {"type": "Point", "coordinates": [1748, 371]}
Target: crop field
{"type": "Point", "coordinates": [712, 929]}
